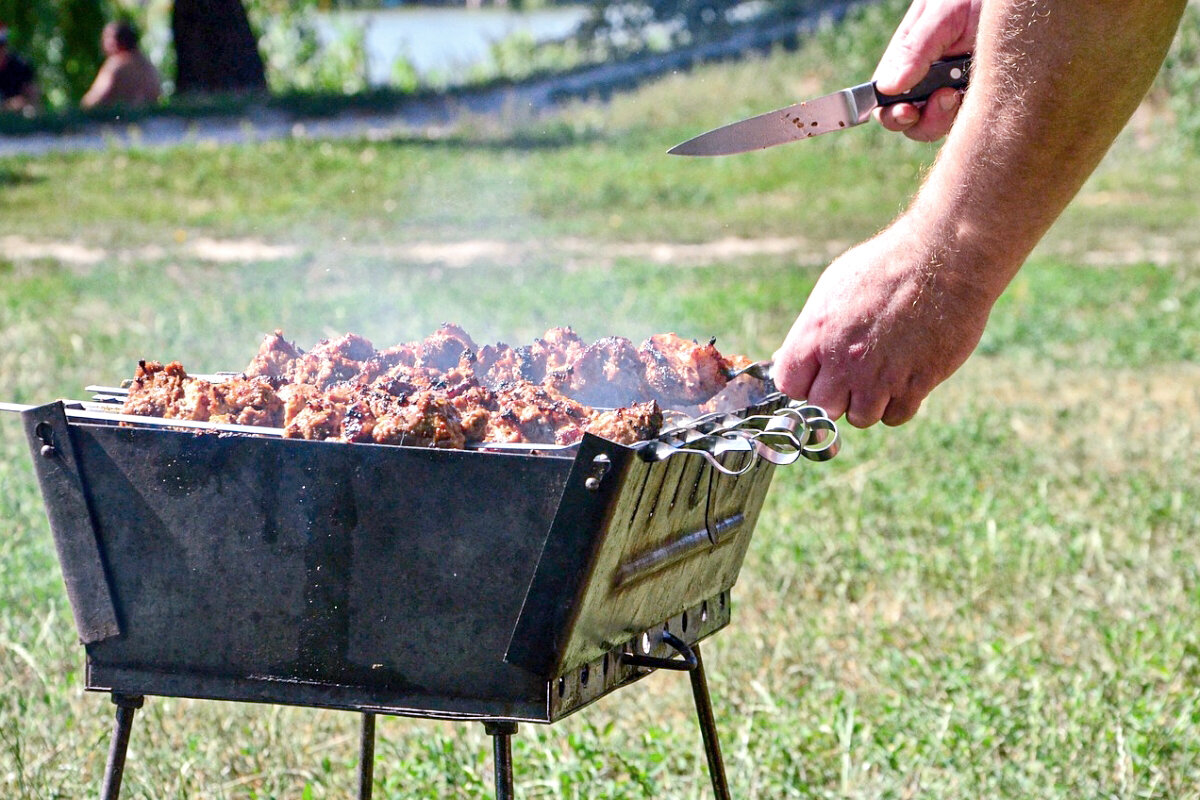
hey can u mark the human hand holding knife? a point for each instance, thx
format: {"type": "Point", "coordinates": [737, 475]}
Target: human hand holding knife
{"type": "Point", "coordinates": [833, 112]}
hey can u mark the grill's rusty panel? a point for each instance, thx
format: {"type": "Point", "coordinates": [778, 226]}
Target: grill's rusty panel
{"type": "Point", "coordinates": [404, 580]}
{"type": "Point", "coordinates": [651, 541]}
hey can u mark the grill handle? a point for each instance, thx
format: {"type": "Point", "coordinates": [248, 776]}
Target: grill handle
{"type": "Point", "coordinates": [793, 431]}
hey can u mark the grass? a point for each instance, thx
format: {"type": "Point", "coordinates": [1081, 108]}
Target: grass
{"type": "Point", "coordinates": [999, 599]}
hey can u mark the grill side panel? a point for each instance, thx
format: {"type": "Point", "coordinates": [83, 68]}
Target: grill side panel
{"type": "Point", "coordinates": [69, 511]}
{"type": "Point", "coordinates": [316, 573]}
{"type": "Point", "coordinates": [651, 541]}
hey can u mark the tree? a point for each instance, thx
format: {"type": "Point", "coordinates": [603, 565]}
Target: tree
{"type": "Point", "coordinates": [61, 39]}
{"type": "Point", "coordinates": [215, 49]}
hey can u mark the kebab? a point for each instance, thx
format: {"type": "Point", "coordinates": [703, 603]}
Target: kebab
{"type": "Point", "coordinates": [447, 391]}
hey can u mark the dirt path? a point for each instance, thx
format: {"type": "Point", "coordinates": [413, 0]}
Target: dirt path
{"type": "Point", "coordinates": [421, 117]}
{"type": "Point", "coordinates": [1114, 249]}
{"type": "Point", "coordinates": [572, 252]}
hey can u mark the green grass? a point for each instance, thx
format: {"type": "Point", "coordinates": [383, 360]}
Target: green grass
{"type": "Point", "coordinates": [999, 599]}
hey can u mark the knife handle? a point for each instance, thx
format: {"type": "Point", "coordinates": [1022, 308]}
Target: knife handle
{"type": "Point", "coordinates": [952, 73]}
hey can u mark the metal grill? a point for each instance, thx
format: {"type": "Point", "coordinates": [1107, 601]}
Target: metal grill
{"type": "Point", "coordinates": [499, 585]}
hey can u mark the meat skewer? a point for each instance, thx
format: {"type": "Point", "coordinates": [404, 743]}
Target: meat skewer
{"type": "Point", "coordinates": [446, 391]}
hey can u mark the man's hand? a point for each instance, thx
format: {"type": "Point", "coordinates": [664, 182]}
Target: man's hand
{"type": "Point", "coordinates": [931, 30]}
{"type": "Point", "coordinates": [1053, 84]}
{"type": "Point", "coordinates": [883, 326]}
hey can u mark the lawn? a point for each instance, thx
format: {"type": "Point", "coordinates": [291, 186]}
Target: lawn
{"type": "Point", "coordinates": [999, 599]}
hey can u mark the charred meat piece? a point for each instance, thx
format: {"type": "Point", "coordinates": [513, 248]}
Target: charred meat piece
{"type": "Point", "coordinates": [157, 390]}
{"type": "Point", "coordinates": [443, 348]}
{"type": "Point", "coordinates": [557, 350]}
{"type": "Point", "coordinates": [295, 396]}
{"type": "Point", "coordinates": [332, 361]}
{"type": "Point", "coordinates": [171, 393]}
{"type": "Point", "coordinates": [246, 401]}
{"type": "Point", "coordinates": [319, 419]}
{"type": "Point", "coordinates": [425, 419]}
{"type": "Point", "coordinates": [402, 380]}
{"type": "Point", "coordinates": [681, 371]}
{"type": "Point", "coordinates": [274, 358]}
{"type": "Point", "coordinates": [541, 413]}
{"type": "Point", "coordinates": [741, 392]}
{"type": "Point", "coordinates": [608, 373]}
{"type": "Point", "coordinates": [627, 425]}
{"type": "Point", "coordinates": [475, 406]}
{"type": "Point", "coordinates": [323, 371]}
{"type": "Point", "coordinates": [499, 364]}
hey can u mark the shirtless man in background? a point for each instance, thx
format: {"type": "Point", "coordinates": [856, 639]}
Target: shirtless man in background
{"type": "Point", "coordinates": [126, 78]}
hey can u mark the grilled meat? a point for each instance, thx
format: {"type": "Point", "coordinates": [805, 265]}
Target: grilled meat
{"type": "Point", "coordinates": [424, 419]}
{"type": "Point", "coordinates": [628, 425]}
{"type": "Point", "coordinates": [275, 356]}
{"type": "Point", "coordinates": [244, 401]}
{"type": "Point", "coordinates": [156, 391]}
{"type": "Point", "coordinates": [169, 392]}
{"type": "Point", "coordinates": [541, 413]}
{"type": "Point", "coordinates": [555, 351]}
{"type": "Point", "coordinates": [607, 373]}
{"type": "Point", "coordinates": [295, 396]}
{"type": "Point", "coordinates": [681, 371]}
{"type": "Point", "coordinates": [445, 391]}
{"type": "Point", "coordinates": [503, 364]}
{"type": "Point", "coordinates": [443, 348]}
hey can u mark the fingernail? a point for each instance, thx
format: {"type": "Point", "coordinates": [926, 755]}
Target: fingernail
{"type": "Point", "coordinates": [907, 115]}
{"type": "Point", "coordinates": [948, 101]}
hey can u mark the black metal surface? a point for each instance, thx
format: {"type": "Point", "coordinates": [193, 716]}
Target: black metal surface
{"type": "Point", "coordinates": [65, 498]}
{"type": "Point", "coordinates": [114, 769]}
{"type": "Point", "coordinates": [686, 664]}
{"type": "Point", "coordinates": [385, 579]}
{"type": "Point", "coordinates": [708, 729]}
{"type": "Point", "coordinates": [502, 733]}
{"type": "Point", "coordinates": [366, 756]}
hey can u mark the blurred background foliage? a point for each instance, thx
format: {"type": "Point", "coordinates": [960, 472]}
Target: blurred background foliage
{"type": "Point", "coordinates": [61, 38]}
{"type": "Point", "coordinates": [1180, 76]}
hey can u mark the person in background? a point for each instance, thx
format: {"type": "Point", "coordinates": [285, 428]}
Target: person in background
{"type": "Point", "coordinates": [18, 85]}
{"type": "Point", "coordinates": [126, 78]}
{"type": "Point", "coordinates": [1052, 84]}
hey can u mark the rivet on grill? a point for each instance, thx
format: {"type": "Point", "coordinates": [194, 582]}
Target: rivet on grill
{"type": "Point", "coordinates": [44, 432]}
{"type": "Point", "coordinates": [600, 468]}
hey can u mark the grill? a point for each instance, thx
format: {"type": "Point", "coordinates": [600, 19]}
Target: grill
{"type": "Point", "coordinates": [502, 585]}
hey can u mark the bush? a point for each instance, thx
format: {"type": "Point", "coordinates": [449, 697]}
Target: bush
{"type": "Point", "coordinates": [1180, 76]}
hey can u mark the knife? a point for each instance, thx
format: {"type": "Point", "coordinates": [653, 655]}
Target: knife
{"type": "Point", "coordinates": [833, 112]}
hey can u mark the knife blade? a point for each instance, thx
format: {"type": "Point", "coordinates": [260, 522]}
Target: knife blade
{"type": "Point", "coordinates": [833, 112]}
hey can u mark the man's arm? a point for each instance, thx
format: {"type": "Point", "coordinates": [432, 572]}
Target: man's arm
{"type": "Point", "coordinates": [102, 88]}
{"type": "Point", "coordinates": [1053, 83]}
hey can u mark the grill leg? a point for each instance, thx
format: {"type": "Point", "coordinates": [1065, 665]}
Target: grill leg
{"type": "Point", "coordinates": [502, 733]}
{"type": "Point", "coordinates": [366, 757]}
{"type": "Point", "coordinates": [115, 768]}
{"type": "Point", "coordinates": [708, 728]}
